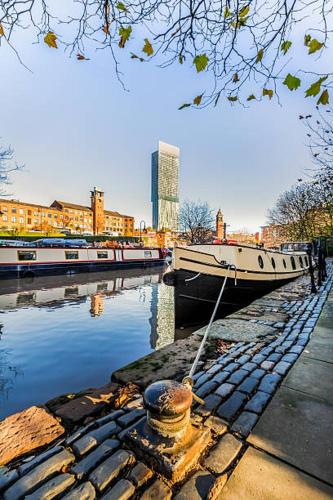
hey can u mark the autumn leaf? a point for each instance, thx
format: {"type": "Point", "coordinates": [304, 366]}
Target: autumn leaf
{"type": "Point", "coordinates": [314, 45]}
{"type": "Point", "coordinates": [227, 12]}
{"type": "Point", "coordinates": [235, 78]}
{"type": "Point", "coordinates": [124, 34]}
{"type": "Point", "coordinates": [292, 82]}
{"type": "Point", "coordinates": [285, 46]}
{"type": "Point", "coordinates": [259, 55]}
{"type": "Point", "coordinates": [81, 57]}
{"type": "Point", "coordinates": [148, 48]}
{"type": "Point", "coordinates": [2, 31]}
{"type": "Point", "coordinates": [241, 22]}
{"type": "Point", "coordinates": [134, 56]}
{"type": "Point", "coordinates": [307, 39]}
{"type": "Point", "coordinates": [324, 98]}
{"type": "Point", "coordinates": [197, 100]}
{"type": "Point", "coordinates": [200, 62]}
{"type": "Point", "coordinates": [268, 92]}
{"type": "Point", "coordinates": [251, 97]}
{"type": "Point", "coordinates": [121, 6]}
{"type": "Point", "coordinates": [51, 40]}
{"type": "Point", "coordinates": [232, 98]}
{"type": "Point", "coordinates": [186, 105]}
{"type": "Point", "coordinates": [244, 12]}
{"type": "Point", "coordinates": [314, 89]}
{"type": "Point", "coordinates": [106, 28]}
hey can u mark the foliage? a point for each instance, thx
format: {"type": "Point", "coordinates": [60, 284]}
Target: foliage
{"type": "Point", "coordinates": [6, 167]}
{"type": "Point", "coordinates": [245, 46]}
{"type": "Point", "coordinates": [196, 221]}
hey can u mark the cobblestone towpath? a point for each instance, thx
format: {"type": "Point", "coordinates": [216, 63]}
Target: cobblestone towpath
{"type": "Point", "coordinates": [268, 402]}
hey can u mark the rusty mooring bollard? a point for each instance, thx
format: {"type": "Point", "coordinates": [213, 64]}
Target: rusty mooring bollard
{"type": "Point", "coordinates": [168, 405]}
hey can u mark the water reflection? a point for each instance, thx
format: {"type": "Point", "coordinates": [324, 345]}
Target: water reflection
{"type": "Point", "coordinates": [62, 334]}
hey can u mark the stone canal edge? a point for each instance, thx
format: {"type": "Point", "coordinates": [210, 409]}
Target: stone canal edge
{"type": "Point", "coordinates": [266, 378]}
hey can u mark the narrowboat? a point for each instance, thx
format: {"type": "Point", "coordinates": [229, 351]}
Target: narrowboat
{"type": "Point", "coordinates": [22, 262]}
{"type": "Point", "coordinates": [198, 272]}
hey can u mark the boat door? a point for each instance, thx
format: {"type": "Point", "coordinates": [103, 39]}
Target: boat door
{"type": "Point", "coordinates": [118, 254]}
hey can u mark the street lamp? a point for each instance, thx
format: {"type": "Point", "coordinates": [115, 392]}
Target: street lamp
{"type": "Point", "coordinates": [142, 222]}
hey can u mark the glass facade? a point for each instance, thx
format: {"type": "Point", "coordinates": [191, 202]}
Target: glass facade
{"type": "Point", "coordinates": [165, 187]}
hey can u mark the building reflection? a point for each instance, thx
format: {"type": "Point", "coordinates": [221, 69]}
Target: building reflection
{"type": "Point", "coordinates": [162, 318]}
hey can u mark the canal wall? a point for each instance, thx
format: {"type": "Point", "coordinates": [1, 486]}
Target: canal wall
{"type": "Point", "coordinates": [73, 446]}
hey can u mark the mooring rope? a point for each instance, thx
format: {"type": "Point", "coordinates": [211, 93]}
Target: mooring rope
{"type": "Point", "coordinates": [196, 360]}
{"type": "Point", "coordinates": [193, 277]}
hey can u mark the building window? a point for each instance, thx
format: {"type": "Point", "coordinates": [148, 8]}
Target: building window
{"type": "Point", "coordinates": [26, 255]}
{"type": "Point", "coordinates": [260, 262]}
{"type": "Point", "coordinates": [29, 212]}
{"type": "Point", "coordinates": [13, 219]}
{"type": "Point", "coordinates": [4, 209]}
{"type": "Point", "coordinates": [29, 221]}
{"type": "Point", "coordinates": [72, 255]}
{"type": "Point", "coordinates": [4, 218]}
{"type": "Point", "coordinates": [21, 220]}
{"type": "Point", "coordinates": [21, 211]}
{"type": "Point", "coordinates": [102, 255]}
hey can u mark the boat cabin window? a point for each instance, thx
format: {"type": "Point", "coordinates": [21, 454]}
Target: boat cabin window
{"type": "Point", "coordinates": [284, 263]}
{"type": "Point", "coordinates": [261, 262]}
{"type": "Point", "coordinates": [102, 255]}
{"type": "Point", "coordinates": [306, 261]}
{"type": "Point", "coordinates": [293, 264]}
{"type": "Point", "coordinates": [301, 261]}
{"type": "Point", "coordinates": [72, 255]}
{"type": "Point", "coordinates": [147, 254]}
{"type": "Point", "coordinates": [26, 255]}
{"type": "Point", "coordinates": [273, 262]}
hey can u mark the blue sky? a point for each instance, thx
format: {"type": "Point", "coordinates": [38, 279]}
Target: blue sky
{"type": "Point", "coordinates": [74, 127]}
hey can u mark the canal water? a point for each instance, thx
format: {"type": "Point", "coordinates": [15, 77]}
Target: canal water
{"type": "Point", "coordinates": [63, 334]}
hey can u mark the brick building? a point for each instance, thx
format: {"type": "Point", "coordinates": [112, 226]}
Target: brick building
{"type": "Point", "coordinates": [61, 215]}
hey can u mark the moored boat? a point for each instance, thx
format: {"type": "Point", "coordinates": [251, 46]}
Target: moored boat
{"type": "Point", "coordinates": [198, 272]}
{"type": "Point", "coordinates": [21, 262]}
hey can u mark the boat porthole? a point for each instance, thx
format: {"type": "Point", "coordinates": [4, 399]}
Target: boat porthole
{"type": "Point", "coordinates": [301, 261]}
{"type": "Point", "coordinates": [284, 264]}
{"type": "Point", "coordinates": [273, 262]}
{"type": "Point", "coordinates": [306, 261]}
{"type": "Point", "coordinates": [293, 263]}
{"type": "Point", "coordinates": [261, 262]}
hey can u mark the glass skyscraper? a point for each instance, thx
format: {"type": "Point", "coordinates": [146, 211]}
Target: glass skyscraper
{"type": "Point", "coordinates": [165, 186]}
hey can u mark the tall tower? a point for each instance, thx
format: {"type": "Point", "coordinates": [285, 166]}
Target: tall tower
{"type": "Point", "coordinates": [219, 225]}
{"type": "Point", "coordinates": [165, 187]}
{"type": "Point", "coordinates": [97, 207]}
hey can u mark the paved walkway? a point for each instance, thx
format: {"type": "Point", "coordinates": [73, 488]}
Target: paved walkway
{"type": "Point", "coordinates": [268, 405]}
{"type": "Point", "coordinates": [291, 452]}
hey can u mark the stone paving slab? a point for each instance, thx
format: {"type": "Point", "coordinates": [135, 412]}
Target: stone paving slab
{"type": "Point", "coordinates": [259, 476]}
{"type": "Point", "coordinates": [238, 330]}
{"type": "Point", "coordinates": [298, 428]}
{"type": "Point", "coordinates": [319, 346]}
{"type": "Point", "coordinates": [313, 377]}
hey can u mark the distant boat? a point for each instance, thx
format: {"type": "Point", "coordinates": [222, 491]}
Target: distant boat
{"type": "Point", "coordinates": [198, 271]}
{"type": "Point", "coordinates": [22, 261]}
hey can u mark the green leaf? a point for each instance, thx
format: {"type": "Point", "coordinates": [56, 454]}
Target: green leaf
{"type": "Point", "coordinates": [314, 45]}
{"type": "Point", "coordinates": [134, 56]}
{"type": "Point", "coordinates": [121, 6]}
{"type": "Point", "coordinates": [197, 100]}
{"type": "Point", "coordinates": [307, 39]}
{"type": "Point", "coordinates": [227, 12]}
{"type": "Point", "coordinates": [324, 98]}
{"type": "Point", "coordinates": [200, 62]}
{"type": "Point", "coordinates": [232, 98]}
{"type": "Point", "coordinates": [314, 89]}
{"type": "Point", "coordinates": [268, 92]}
{"type": "Point", "coordinates": [244, 12]}
{"type": "Point", "coordinates": [186, 105]}
{"type": "Point", "coordinates": [285, 46]}
{"type": "Point", "coordinates": [148, 48]}
{"type": "Point", "coordinates": [181, 59]}
{"type": "Point", "coordinates": [124, 34]}
{"type": "Point", "coordinates": [251, 97]}
{"type": "Point", "coordinates": [292, 82]}
{"type": "Point", "coordinates": [259, 55]}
